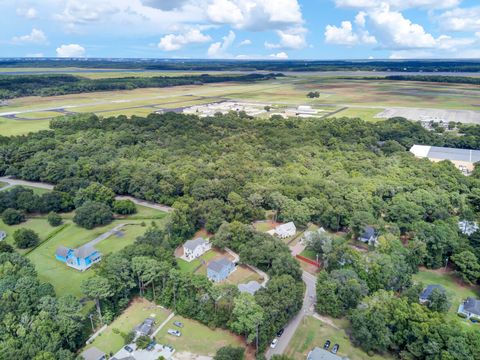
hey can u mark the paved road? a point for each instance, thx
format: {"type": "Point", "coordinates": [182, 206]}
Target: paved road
{"type": "Point", "coordinates": [15, 182]}
{"type": "Point", "coordinates": [307, 309]}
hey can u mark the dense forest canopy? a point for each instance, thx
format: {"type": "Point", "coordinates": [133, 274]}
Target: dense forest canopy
{"type": "Point", "coordinates": [61, 84]}
{"type": "Point", "coordinates": [250, 65]}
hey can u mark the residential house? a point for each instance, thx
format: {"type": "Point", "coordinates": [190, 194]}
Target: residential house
{"type": "Point", "coordinates": [93, 354]}
{"type": "Point", "coordinates": [145, 328]}
{"type": "Point", "coordinates": [427, 292]}
{"type": "Point", "coordinates": [285, 230]}
{"type": "Point", "coordinates": [219, 269]}
{"type": "Point", "coordinates": [81, 258]}
{"type": "Point", "coordinates": [321, 354]}
{"type": "Point", "coordinates": [3, 235]}
{"type": "Point", "coordinates": [369, 236]}
{"type": "Point", "coordinates": [470, 308]}
{"type": "Point", "coordinates": [467, 227]}
{"type": "Point", "coordinates": [251, 287]}
{"type": "Point", "coordinates": [195, 248]}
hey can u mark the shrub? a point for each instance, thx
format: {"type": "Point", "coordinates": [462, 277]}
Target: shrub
{"type": "Point", "coordinates": [54, 219]}
{"type": "Point", "coordinates": [25, 238]}
{"type": "Point", "coordinates": [230, 353]}
{"type": "Point", "coordinates": [12, 217]}
{"type": "Point", "coordinates": [124, 207]}
{"type": "Point", "coordinates": [5, 248]}
{"type": "Point", "coordinates": [143, 341]}
{"type": "Point", "coordinates": [128, 338]}
{"type": "Point", "coordinates": [92, 214]}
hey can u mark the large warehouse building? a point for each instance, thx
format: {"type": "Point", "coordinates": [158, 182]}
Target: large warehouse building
{"type": "Point", "coordinates": [463, 159]}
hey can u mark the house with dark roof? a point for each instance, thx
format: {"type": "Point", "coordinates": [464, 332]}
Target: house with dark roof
{"type": "Point", "coordinates": [470, 308]}
{"type": "Point", "coordinates": [145, 328]}
{"type": "Point", "coordinates": [195, 248]}
{"type": "Point", "coordinates": [219, 269]}
{"type": "Point", "coordinates": [427, 292]}
{"type": "Point", "coordinates": [81, 258]}
{"type": "Point", "coordinates": [321, 354]}
{"type": "Point", "coordinates": [93, 354]}
{"type": "Point", "coordinates": [369, 236]}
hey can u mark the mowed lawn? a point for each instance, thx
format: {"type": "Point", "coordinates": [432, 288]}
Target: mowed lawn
{"type": "Point", "coordinates": [197, 338]}
{"type": "Point", "coordinates": [65, 279]}
{"type": "Point", "coordinates": [313, 333]}
{"type": "Point", "coordinates": [243, 275]}
{"type": "Point", "coordinates": [111, 340]}
{"type": "Point", "coordinates": [456, 290]}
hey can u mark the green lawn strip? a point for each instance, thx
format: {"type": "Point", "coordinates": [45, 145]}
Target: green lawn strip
{"type": "Point", "coordinates": [37, 191]}
{"type": "Point", "coordinates": [188, 267]}
{"type": "Point", "coordinates": [3, 184]}
{"type": "Point", "coordinates": [111, 340]}
{"type": "Point", "coordinates": [309, 254]}
{"type": "Point", "coordinates": [196, 338]}
{"type": "Point", "coordinates": [456, 291]}
{"type": "Point", "coordinates": [64, 279]}
{"type": "Point", "coordinates": [313, 333]}
{"type": "Point", "coordinates": [9, 127]}
{"type": "Point", "coordinates": [144, 212]}
{"type": "Point", "coordinates": [39, 225]}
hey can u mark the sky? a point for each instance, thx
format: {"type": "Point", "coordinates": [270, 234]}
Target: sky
{"type": "Point", "coordinates": [241, 29]}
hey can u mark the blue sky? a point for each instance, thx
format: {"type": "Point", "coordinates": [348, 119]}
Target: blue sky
{"type": "Point", "coordinates": [243, 29]}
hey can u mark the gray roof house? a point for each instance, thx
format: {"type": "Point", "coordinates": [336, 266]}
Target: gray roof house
{"type": "Point", "coordinates": [3, 235]}
{"type": "Point", "coordinates": [320, 354]}
{"type": "Point", "coordinates": [369, 236]}
{"type": "Point", "coordinates": [219, 269]}
{"type": "Point", "coordinates": [470, 308]}
{"type": "Point", "coordinates": [146, 327]}
{"type": "Point", "coordinates": [93, 354]}
{"type": "Point", "coordinates": [195, 248]}
{"type": "Point", "coordinates": [427, 292]}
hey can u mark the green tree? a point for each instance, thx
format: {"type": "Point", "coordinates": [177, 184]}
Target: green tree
{"type": "Point", "coordinates": [143, 341]}
{"type": "Point", "coordinates": [438, 301]}
{"type": "Point", "coordinates": [124, 207]}
{"type": "Point", "coordinates": [467, 266]}
{"type": "Point", "coordinates": [246, 316]}
{"type": "Point", "coordinates": [25, 238]}
{"type": "Point", "coordinates": [92, 214]}
{"type": "Point", "coordinates": [54, 219]}
{"type": "Point", "coordinates": [97, 288]}
{"type": "Point", "coordinates": [94, 192]}
{"type": "Point", "coordinates": [13, 217]}
{"type": "Point", "coordinates": [229, 353]}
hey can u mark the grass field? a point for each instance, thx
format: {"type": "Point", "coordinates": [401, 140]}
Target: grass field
{"type": "Point", "coordinates": [197, 338]}
{"type": "Point", "coordinates": [243, 275]}
{"type": "Point", "coordinates": [456, 291]}
{"type": "Point", "coordinates": [111, 340]}
{"type": "Point", "coordinates": [9, 127]}
{"type": "Point", "coordinates": [3, 184]}
{"type": "Point", "coordinates": [313, 333]}
{"type": "Point", "coordinates": [364, 114]}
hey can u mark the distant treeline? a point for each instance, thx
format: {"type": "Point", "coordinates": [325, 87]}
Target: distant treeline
{"type": "Point", "coordinates": [436, 78]}
{"type": "Point", "coordinates": [252, 65]}
{"type": "Point", "coordinates": [12, 86]}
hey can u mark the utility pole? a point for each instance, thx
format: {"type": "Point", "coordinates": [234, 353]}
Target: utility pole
{"type": "Point", "coordinates": [91, 322]}
{"type": "Point", "coordinates": [446, 263]}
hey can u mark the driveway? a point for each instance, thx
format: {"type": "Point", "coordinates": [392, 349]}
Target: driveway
{"type": "Point", "coordinates": [307, 309]}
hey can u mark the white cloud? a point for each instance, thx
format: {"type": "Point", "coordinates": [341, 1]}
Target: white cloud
{"type": "Point", "coordinates": [165, 4]}
{"type": "Point", "coordinates": [461, 19]}
{"type": "Point", "coordinates": [70, 50]}
{"type": "Point", "coordinates": [344, 35]}
{"type": "Point", "coordinates": [29, 12]}
{"type": "Point", "coordinates": [293, 38]}
{"type": "Point", "coordinates": [246, 42]}
{"type": "Point", "coordinates": [173, 42]}
{"type": "Point", "coordinates": [35, 37]}
{"type": "Point", "coordinates": [86, 11]}
{"type": "Point", "coordinates": [398, 4]}
{"type": "Point", "coordinates": [280, 56]}
{"type": "Point", "coordinates": [219, 49]}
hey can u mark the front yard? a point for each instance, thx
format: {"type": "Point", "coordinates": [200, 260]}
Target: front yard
{"type": "Point", "coordinates": [111, 340]}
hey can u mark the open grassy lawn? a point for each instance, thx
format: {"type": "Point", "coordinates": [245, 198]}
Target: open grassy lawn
{"type": "Point", "coordinates": [313, 333]}
{"type": "Point", "coordinates": [364, 114]}
{"type": "Point", "coordinates": [111, 340]}
{"type": "Point", "coordinates": [35, 190]}
{"type": "Point", "coordinates": [196, 338]}
{"type": "Point", "coordinates": [456, 291]}
{"type": "Point", "coordinates": [65, 279]}
{"type": "Point", "coordinates": [144, 213]}
{"type": "Point", "coordinates": [188, 267]}
{"type": "Point", "coordinates": [40, 115]}
{"type": "Point", "coordinates": [242, 275]}
{"type": "Point", "coordinates": [10, 127]}
{"type": "Point", "coordinates": [39, 225]}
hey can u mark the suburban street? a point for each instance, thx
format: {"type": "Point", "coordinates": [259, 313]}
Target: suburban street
{"type": "Point", "coordinates": [307, 309]}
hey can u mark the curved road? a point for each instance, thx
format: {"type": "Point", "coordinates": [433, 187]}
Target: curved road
{"type": "Point", "coordinates": [307, 309]}
{"type": "Point", "coordinates": [15, 182]}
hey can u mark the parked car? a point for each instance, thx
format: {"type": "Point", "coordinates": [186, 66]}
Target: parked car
{"type": "Point", "coordinates": [168, 347]}
{"type": "Point", "coordinates": [335, 348]}
{"type": "Point", "coordinates": [327, 344]}
{"type": "Point", "coordinates": [128, 348]}
{"type": "Point", "coordinates": [280, 332]}
{"type": "Point", "coordinates": [151, 345]}
{"type": "Point", "coordinates": [174, 332]}
{"type": "Point", "coordinates": [274, 343]}
{"type": "Point", "coordinates": [178, 323]}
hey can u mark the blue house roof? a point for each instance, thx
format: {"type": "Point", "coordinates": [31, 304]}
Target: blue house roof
{"type": "Point", "coordinates": [425, 295]}
{"type": "Point", "coordinates": [220, 265]}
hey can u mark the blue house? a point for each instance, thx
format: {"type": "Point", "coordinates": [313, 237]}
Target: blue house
{"type": "Point", "coordinates": [81, 258]}
{"type": "Point", "coordinates": [218, 270]}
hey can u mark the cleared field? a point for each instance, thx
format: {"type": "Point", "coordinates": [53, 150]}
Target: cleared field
{"type": "Point", "coordinates": [41, 115]}
{"type": "Point", "coordinates": [313, 333]}
{"type": "Point", "coordinates": [243, 275]}
{"type": "Point", "coordinates": [456, 291]}
{"type": "Point", "coordinates": [9, 127]}
{"type": "Point", "coordinates": [197, 338]}
{"type": "Point", "coordinates": [111, 340]}
{"type": "Point", "coordinates": [437, 115]}
{"type": "Point", "coordinates": [364, 114]}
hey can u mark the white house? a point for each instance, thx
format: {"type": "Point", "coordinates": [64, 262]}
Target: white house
{"type": "Point", "coordinates": [467, 227]}
{"type": "Point", "coordinates": [285, 230]}
{"type": "Point", "coordinates": [195, 248]}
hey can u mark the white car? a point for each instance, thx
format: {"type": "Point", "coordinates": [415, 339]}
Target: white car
{"type": "Point", "coordinates": [274, 343]}
{"type": "Point", "coordinates": [174, 332]}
